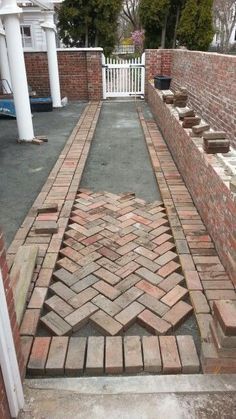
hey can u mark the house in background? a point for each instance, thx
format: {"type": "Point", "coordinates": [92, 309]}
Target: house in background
{"type": "Point", "coordinates": [33, 36]}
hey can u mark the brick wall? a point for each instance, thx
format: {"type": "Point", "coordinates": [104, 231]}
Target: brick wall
{"type": "Point", "coordinates": [80, 73]}
{"type": "Point", "coordinates": [4, 411]}
{"type": "Point", "coordinates": [210, 79]}
{"type": "Point", "coordinates": [203, 175]}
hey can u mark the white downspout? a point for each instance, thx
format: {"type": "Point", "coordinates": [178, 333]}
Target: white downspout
{"type": "Point", "coordinates": [10, 12]}
{"type": "Point", "coordinates": [8, 360]}
{"type": "Point", "coordinates": [4, 65]}
{"type": "Point", "coordinates": [50, 31]}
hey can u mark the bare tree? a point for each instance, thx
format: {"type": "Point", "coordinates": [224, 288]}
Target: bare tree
{"type": "Point", "coordinates": [224, 21]}
{"type": "Point", "coordinates": [130, 14]}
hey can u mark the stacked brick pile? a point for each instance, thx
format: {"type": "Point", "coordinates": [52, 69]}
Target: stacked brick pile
{"type": "Point", "coordinates": [220, 350]}
{"type": "Point", "coordinates": [215, 142]}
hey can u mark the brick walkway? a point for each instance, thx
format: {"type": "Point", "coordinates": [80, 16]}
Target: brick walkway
{"type": "Point", "coordinates": [116, 261]}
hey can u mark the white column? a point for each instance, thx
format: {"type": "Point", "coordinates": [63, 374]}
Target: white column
{"type": "Point", "coordinates": [50, 31]}
{"type": "Point", "coordinates": [4, 65]}
{"type": "Point", "coordinates": [10, 12]}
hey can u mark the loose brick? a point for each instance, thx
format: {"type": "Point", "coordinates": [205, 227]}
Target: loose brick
{"type": "Point", "coordinates": [114, 355]}
{"type": "Point", "coordinates": [58, 305]}
{"type": "Point", "coordinates": [30, 322]}
{"type": "Point", "coordinates": [153, 323]}
{"type": "Point", "coordinates": [46, 227]}
{"type": "Point", "coordinates": [95, 355]}
{"type": "Point", "coordinates": [173, 296]}
{"type": "Point", "coordinates": [107, 290]}
{"type": "Point", "coordinates": [225, 313]}
{"type": "Point", "coordinates": [188, 355]}
{"type": "Point", "coordinates": [105, 323]}
{"type": "Point", "coordinates": [169, 354]}
{"type": "Point", "coordinates": [177, 313]}
{"type": "Point", "coordinates": [75, 358]}
{"type": "Point", "coordinates": [151, 354]}
{"type": "Point", "coordinates": [153, 304]}
{"type": "Point", "coordinates": [133, 354]}
{"type": "Point", "coordinates": [56, 324]}
{"type": "Point", "coordinates": [56, 356]}
{"type": "Point", "coordinates": [45, 208]}
{"type": "Point", "coordinates": [128, 316]}
{"type": "Point", "coordinates": [38, 356]}
{"type": "Point", "coordinates": [81, 316]}
{"type": "Point", "coordinates": [199, 302]}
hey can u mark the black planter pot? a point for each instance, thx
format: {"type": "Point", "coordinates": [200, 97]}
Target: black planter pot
{"type": "Point", "coordinates": [162, 82]}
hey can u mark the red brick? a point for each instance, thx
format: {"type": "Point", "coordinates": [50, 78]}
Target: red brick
{"type": "Point", "coordinates": [133, 354]}
{"type": "Point", "coordinates": [151, 354]}
{"type": "Point", "coordinates": [168, 269]}
{"type": "Point", "coordinates": [225, 313]}
{"type": "Point", "coordinates": [81, 316]}
{"type": "Point", "coordinates": [107, 290]}
{"type": "Point", "coordinates": [171, 281]}
{"type": "Point", "coordinates": [38, 357]}
{"type": "Point", "coordinates": [114, 355]}
{"type": "Point", "coordinates": [203, 321]}
{"type": "Point", "coordinates": [56, 356]}
{"type": "Point", "coordinates": [95, 355]}
{"type": "Point", "coordinates": [146, 253]}
{"type": "Point", "coordinates": [58, 305]}
{"type": "Point", "coordinates": [128, 316]}
{"type": "Point", "coordinates": [75, 358]}
{"type": "Point", "coordinates": [105, 323]}
{"type": "Point", "coordinates": [153, 323]}
{"type": "Point", "coordinates": [188, 355]}
{"type": "Point", "coordinates": [56, 324]}
{"type": "Point", "coordinates": [199, 302]}
{"type": "Point", "coordinates": [38, 297]}
{"type": "Point", "coordinates": [193, 281]}
{"type": "Point", "coordinates": [26, 344]}
{"type": "Point", "coordinates": [149, 276]}
{"type": "Point", "coordinates": [30, 322]}
{"type": "Point", "coordinates": [169, 354]}
{"type": "Point", "coordinates": [107, 276]}
{"type": "Point", "coordinates": [150, 289]}
{"type": "Point", "coordinates": [177, 313]}
{"type": "Point", "coordinates": [128, 297]}
{"type": "Point", "coordinates": [83, 297]}
{"type": "Point", "coordinates": [173, 296]}
{"type": "Point", "coordinates": [153, 304]}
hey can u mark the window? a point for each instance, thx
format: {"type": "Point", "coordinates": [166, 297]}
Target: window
{"type": "Point", "coordinates": [26, 36]}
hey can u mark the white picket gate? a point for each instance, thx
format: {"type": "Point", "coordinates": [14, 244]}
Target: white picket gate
{"type": "Point", "coordinates": [123, 78]}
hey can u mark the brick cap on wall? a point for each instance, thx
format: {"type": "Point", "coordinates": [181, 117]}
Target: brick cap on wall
{"type": "Point", "coordinates": [69, 50]}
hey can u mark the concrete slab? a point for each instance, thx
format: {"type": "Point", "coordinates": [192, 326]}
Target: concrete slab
{"type": "Point", "coordinates": [153, 397]}
{"type": "Point", "coordinates": [118, 160]}
{"type": "Point", "coordinates": [25, 167]}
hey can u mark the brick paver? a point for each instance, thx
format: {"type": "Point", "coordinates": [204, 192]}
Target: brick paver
{"type": "Point", "coordinates": [116, 261]}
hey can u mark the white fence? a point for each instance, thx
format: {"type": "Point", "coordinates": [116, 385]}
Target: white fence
{"type": "Point", "coordinates": [123, 78]}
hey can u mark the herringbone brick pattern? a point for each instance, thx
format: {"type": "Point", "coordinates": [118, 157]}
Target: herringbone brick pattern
{"type": "Point", "coordinates": [117, 266]}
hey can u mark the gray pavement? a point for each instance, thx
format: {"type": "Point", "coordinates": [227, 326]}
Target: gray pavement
{"type": "Point", "coordinates": [118, 160]}
{"type": "Point", "coordinates": [152, 397]}
{"type": "Point", "coordinates": [24, 168]}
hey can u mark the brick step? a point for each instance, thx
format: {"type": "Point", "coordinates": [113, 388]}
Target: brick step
{"type": "Point", "coordinates": [75, 356]}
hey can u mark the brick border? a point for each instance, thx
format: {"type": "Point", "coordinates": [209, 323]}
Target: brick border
{"type": "Point", "coordinates": [61, 186]}
{"type": "Point", "coordinates": [175, 197]}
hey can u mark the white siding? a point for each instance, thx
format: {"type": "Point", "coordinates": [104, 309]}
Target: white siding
{"type": "Point", "coordinates": [34, 19]}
